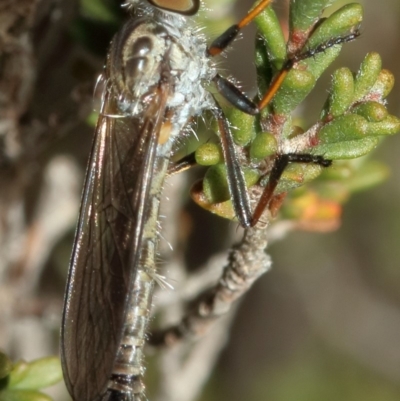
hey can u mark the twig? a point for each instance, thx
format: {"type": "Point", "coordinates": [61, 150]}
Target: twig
{"type": "Point", "coordinates": [247, 261]}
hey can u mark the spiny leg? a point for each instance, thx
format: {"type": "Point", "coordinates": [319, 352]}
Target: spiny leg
{"type": "Point", "coordinates": [233, 95]}
{"type": "Point", "coordinates": [240, 101]}
{"type": "Point", "coordinates": [198, 319]}
{"type": "Point", "coordinates": [282, 161]}
{"type": "Point", "coordinates": [182, 165]}
{"type": "Point", "coordinates": [280, 164]}
{"type": "Point", "coordinates": [223, 41]}
{"type": "Point", "coordinates": [288, 65]}
{"type": "Point", "coordinates": [235, 176]}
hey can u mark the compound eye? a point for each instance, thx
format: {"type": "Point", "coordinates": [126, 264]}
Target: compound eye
{"type": "Point", "coordinates": [185, 7]}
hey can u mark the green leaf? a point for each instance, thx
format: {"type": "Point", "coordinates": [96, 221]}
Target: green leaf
{"type": "Point", "coordinates": [348, 149]}
{"type": "Point", "coordinates": [371, 111]}
{"type": "Point", "coordinates": [343, 128]}
{"type": "Point", "coordinates": [297, 85]}
{"type": "Point", "coordinates": [92, 118]}
{"type": "Point", "coordinates": [317, 64]}
{"type": "Point", "coordinates": [305, 13]}
{"type": "Point", "coordinates": [208, 154]}
{"type": "Point", "coordinates": [352, 122]}
{"type": "Point", "coordinates": [296, 175]}
{"type": "Point", "coordinates": [342, 91]}
{"type": "Point", "coordinates": [389, 126]}
{"type": "Point", "coordinates": [38, 374]}
{"type": "Point", "coordinates": [215, 184]}
{"type": "Point", "coordinates": [273, 39]}
{"type": "Point", "coordinates": [367, 75]}
{"type": "Point", "coordinates": [5, 365]}
{"type": "Point", "coordinates": [23, 395]}
{"type": "Point", "coordinates": [264, 145]}
{"type": "Point", "coordinates": [242, 127]}
{"type": "Point", "coordinates": [338, 24]}
{"type": "Point", "coordinates": [97, 10]}
{"type": "Point", "coordinates": [384, 84]}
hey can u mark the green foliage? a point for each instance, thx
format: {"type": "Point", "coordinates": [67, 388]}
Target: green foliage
{"type": "Point", "coordinates": [208, 154]}
{"type": "Point", "coordinates": [97, 10]}
{"type": "Point", "coordinates": [215, 184]}
{"type": "Point", "coordinates": [5, 366]}
{"type": "Point", "coordinates": [243, 127]}
{"type": "Point", "coordinates": [352, 122]}
{"type": "Point", "coordinates": [22, 381]}
{"type": "Point", "coordinates": [264, 145]}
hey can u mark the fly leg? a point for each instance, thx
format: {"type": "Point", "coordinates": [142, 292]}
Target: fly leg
{"type": "Point", "coordinates": [182, 165]}
{"type": "Point", "coordinates": [239, 100]}
{"type": "Point", "coordinates": [280, 164]}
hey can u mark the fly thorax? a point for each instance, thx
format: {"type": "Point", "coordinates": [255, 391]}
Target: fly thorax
{"type": "Point", "coordinates": [135, 64]}
{"type": "Point", "coordinates": [144, 51]}
{"type": "Point", "coordinates": [192, 71]}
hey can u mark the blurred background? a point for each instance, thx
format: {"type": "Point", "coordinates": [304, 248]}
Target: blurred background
{"type": "Point", "coordinates": [323, 324]}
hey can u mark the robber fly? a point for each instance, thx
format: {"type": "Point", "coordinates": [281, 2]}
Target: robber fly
{"type": "Point", "coordinates": [157, 69]}
{"type": "Point", "coordinates": [153, 85]}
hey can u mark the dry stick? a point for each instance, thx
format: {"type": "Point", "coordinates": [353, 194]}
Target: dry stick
{"type": "Point", "coordinates": [187, 362]}
{"type": "Point", "coordinates": [247, 261]}
{"type": "Point", "coordinates": [191, 363]}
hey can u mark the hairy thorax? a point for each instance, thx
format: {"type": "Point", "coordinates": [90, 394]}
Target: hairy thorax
{"type": "Point", "coordinates": [149, 50]}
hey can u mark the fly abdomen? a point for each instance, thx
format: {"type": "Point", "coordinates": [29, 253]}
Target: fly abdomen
{"type": "Point", "coordinates": [128, 366]}
{"type": "Point", "coordinates": [125, 388]}
{"type": "Point", "coordinates": [126, 383]}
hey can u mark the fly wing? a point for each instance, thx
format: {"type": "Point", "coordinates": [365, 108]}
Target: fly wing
{"type": "Point", "coordinates": [107, 244]}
